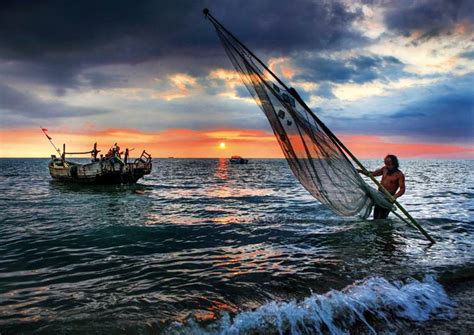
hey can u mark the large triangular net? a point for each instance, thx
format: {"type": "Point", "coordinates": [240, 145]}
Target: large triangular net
{"type": "Point", "coordinates": [314, 156]}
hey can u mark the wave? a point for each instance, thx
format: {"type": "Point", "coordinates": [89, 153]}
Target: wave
{"type": "Point", "coordinates": [366, 306]}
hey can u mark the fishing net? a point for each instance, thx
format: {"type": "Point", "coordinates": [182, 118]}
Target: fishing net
{"type": "Point", "coordinates": [312, 152]}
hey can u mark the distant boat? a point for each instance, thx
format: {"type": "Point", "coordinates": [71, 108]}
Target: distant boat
{"type": "Point", "coordinates": [238, 160]}
{"type": "Point", "coordinates": [110, 169]}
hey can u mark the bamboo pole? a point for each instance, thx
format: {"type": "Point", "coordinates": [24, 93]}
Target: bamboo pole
{"type": "Point", "coordinates": [50, 141]}
{"type": "Point", "coordinates": [402, 218]}
{"type": "Point", "coordinates": [62, 156]}
{"type": "Point", "coordinates": [326, 129]}
{"type": "Point", "coordinates": [79, 153]}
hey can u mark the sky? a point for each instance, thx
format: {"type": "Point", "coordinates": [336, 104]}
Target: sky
{"type": "Point", "coordinates": [386, 76]}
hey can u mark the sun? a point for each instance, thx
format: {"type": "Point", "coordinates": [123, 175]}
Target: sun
{"type": "Point", "coordinates": [222, 145]}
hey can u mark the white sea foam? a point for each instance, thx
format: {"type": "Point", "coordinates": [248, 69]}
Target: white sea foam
{"type": "Point", "coordinates": [367, 304]}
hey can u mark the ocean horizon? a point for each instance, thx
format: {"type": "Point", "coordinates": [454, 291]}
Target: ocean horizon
{"type": "Point", "coordinates": [81, 158]}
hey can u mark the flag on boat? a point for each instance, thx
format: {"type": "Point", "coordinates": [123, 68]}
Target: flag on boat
{"type": "Point", "coordinates": [44, 132]}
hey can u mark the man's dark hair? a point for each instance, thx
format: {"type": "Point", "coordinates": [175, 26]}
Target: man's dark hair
{"type": "Point", "coordinates": [394, 160]}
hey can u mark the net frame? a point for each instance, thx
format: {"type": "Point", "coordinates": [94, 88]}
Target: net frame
{"type": "Point", "coordinates": [314, 157]}
{"type": "Point", "coordinates": [383, 198]}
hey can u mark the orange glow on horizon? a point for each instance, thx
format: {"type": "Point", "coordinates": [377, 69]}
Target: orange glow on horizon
{"type": "Point", "coordinates": [181, 143]}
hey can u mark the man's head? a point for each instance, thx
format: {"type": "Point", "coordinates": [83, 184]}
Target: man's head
{"type": "Point", "coordinates": [391, 162]}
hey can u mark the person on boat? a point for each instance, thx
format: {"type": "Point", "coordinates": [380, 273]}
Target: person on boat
{"type": "Point", "coordinates": [94, 153]}
{"type": "Point", "coordinates": [393, 180]}
{"type": "Point", "coordinates": [110, 153]}
{"type": "Point", "coordinates": [125, 160]}
{"type": "Point", "coordinates": [117, 151]}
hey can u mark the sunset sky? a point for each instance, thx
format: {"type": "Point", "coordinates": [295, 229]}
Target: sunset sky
{"type": "Point", "coordinates": [385, 76]}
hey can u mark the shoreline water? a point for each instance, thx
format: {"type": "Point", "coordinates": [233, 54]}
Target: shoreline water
{"type": "Point", "coordinates": [202, 237]}
{"type": "Point", "coordinates": [462, 295]}
{"type": "Point", "coordinates": [448, 314]}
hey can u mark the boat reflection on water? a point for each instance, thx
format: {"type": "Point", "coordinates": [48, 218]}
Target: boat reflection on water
{"type": "Point", "coordinates": [99, 188]}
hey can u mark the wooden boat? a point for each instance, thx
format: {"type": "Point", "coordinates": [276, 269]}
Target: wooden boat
{"type": "Point", "coordinates": [110, 169]}
{"type": "Point", "coordinates": [238, 160]}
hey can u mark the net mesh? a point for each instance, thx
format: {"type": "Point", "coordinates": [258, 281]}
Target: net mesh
{"type": "Point", "coordinates": [313, 155]}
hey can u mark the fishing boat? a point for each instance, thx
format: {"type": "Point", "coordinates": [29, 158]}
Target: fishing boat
{"type": "Point", "coordinates": [238, 160]}
{"type": "Point", "coordinates": [108, 169]}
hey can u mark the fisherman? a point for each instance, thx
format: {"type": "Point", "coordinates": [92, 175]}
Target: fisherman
{"type": "Point", "coordinates": [126, 156]}
{"type": "Point", "coordinates": [117, 150]}
{"type": "Point", "coordinates": [94, 153]}
{"type": "Point", "coordinates": [393, 180]}
{"type": "Point", "coordinates": [110, 153]}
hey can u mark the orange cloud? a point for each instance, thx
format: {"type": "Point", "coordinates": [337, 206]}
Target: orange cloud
{"type": "Point", "coordinates": [366, 146]}
{"type": "Point", "coordinates": [227, 81]}
{"type": "Point", "coordinates": [463, 28]}
{"type": "Point", "coordinates": [205, 143]}
{"type": "Point", "coordinates": [231, 78]}
{"type": "Point", "coordinates": [183, 85]}
{"type": "Point", "coordinates": [281, 65]}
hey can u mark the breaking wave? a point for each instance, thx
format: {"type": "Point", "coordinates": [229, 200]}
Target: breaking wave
{"type": "Point", "coordinates": [366, 306]}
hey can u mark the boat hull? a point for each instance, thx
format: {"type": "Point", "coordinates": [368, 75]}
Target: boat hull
{"type": "Point", "coordinates": [238, 161]}
{"type": "Point", "coordinates": [100, 172]}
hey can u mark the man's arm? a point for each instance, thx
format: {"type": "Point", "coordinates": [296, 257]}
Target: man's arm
{"type": "Point", "coordinates": [375, 173]}
{"type": "Point", "coordinates": [401, 183]}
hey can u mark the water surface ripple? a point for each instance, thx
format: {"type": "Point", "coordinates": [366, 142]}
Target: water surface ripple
{"type": "Point", "coordinates": [199, 239]}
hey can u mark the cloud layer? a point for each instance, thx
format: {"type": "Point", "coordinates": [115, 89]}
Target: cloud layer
{"type": "Point", "coordinates": [391, 69]}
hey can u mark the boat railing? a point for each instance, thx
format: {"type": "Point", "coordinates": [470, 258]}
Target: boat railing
{"type": "Point", "coordinates": [144, 158]}
{"type": "Point", "coordinates": [92, 152]}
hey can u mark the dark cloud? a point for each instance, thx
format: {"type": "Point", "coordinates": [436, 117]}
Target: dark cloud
{"type": "Point", "coordinates": [54, 41]}
{"type": "Point", "coordinates": [467, 54]}
{"type": "Point", "coordinates": [442, 112]}
{"type": "Point", "coordinates": [242, 92]}
{"type": "Point", "coordinates": [430, 17]}
{"type": "Point", "coordinates": [27, 107]}
{"type": "Point", "coordinates": [325, 91]}
{"type": "Point", "coordinates": [84, 45]}
{"type": "Point", "coordinates": [286, 26]}
{"type": "Point", "coordinates": [98, 80]}
{"type": "Point", "coordinates": [198, 112]}
{"type": "Point", "coordinates": [447, 117]}
{"type": "Point", "coordinates": [359, 69]}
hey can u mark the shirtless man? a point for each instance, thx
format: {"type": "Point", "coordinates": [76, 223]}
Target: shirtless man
{"type": "Point", "coordinates": [392, 179]}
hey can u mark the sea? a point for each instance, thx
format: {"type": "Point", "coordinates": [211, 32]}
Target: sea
{"type": "Point", "coordinates": [201, 246]}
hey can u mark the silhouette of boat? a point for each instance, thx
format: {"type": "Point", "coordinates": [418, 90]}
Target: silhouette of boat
{"type": "Point", "coordinates": [238, 160]}
{"type": "Point", "coordinates": [108, 169]}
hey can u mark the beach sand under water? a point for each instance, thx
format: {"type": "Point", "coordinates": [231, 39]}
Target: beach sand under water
{"type": "Point", "coordinates": [204, 247]}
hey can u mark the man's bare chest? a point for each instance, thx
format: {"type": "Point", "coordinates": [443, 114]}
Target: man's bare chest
{"type": "Point", "coordinates": [390, 179]}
